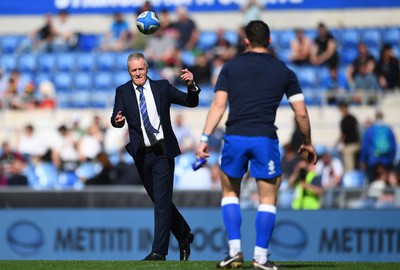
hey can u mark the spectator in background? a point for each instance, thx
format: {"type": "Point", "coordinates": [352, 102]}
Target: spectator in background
{"type": "Point", "coordinates": [202, 69]}
{"type": "Point", "coordinates": [335, 84]}
{"type": "Point", "coordinates": [388, 69]}
{"type": "Point", "coordinates": [217, 64]}
{"type": "Point", "coordinates": [161, 49]}
{"type": "Point", "coordinates": [222, 46]}
{"type": "Point", "coordinates": [90, 144]}
{"type": "Point", "coordinates": [366, 84]}
{"type": "Point", "coordinates": [13, 91]}
{"type": "Point", "coordinates": [251, 10]}
{"type": "Point", "coordinates": [349, 141]}
{"type": "Point", "coordinates": [240, 45]}
{"type": "Point", "coordinates": [378, 147]}
{"type": "Point", "coordinates": [188, 34]}
{"type": "Point", "coordinates": [300, 48]}
{"type": "Point", "coordinates": [331, 170]}
{"type": "Point", "coordinates": [12, 165]}
{"type": "Point", "coordinates": [119, 36]}
{"type": "Point", "coordinates": [65, 150]}
{"type": "Point", "coordinates": [64, 36]}
{"type": "Point", "coordinates": [185, 138]}
{"type": "Point", "coordinates": [324, 49]}
{"type": "Point", "coordinates": [40, 39]}
{"type": "Point", "coordinates": [30, 145]}
{"type": "Point", "coordinates": [362, 58]}
{"type": "Point", "coordinates": [106, 173]}
{"type": "Point", "coordinates": [145, 7]}
{"type": "Point", "coordinates": [308, 187]}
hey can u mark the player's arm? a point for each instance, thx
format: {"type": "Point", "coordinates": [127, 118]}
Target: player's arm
{"type": "Point", "coordinates": [301, 115]}
{"type": "Point", "coordinates": [214, 116]}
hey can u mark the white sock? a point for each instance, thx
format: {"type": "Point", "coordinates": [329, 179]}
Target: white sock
{"type": "Point", "coordinates": [260, 255]}
{"type": "Point", "coordinates": [234, 247]}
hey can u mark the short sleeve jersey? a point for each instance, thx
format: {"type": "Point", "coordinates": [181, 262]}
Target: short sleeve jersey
{"type": "Point", "coordinates": [256, 84]}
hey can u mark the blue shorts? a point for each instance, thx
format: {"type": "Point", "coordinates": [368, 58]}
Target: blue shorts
{"type": "Point", "coordinates": [262, 152]}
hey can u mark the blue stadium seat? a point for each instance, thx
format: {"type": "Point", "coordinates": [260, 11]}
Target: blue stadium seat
{"type": "Point", "coordinates": [348, 55]}
{"type": "Point", "coordinates": [103, 80]}
{"type": "Point", "coordinates": [311, 33]}
{"type": "Point", "coordinates": [122, 77]}
{"type": "Point", "coordinates": [27, 63]}
{"type": "Point", "coordinates": [188, 58]}
{"type": "Point", "coordinates": [121, 61]}
{"type": "Point", "coordinates": [43, 76]}
{"type": "Point", "coordinates": [47, 62]}
{"type": "Point", "coordinates": [391, 36]}
{"type": "Point", "coordinates": [349, 38]}
{"type": "Point", "coordinates": [63, 82]}
{"type": "Point", "coordinates": [80, 99]}
{"type": "Point", "coordinates": [83, 80]}
{"type": "Point", "coordinates": [207, 40]}
{"type": "Point", "coordinates": [85, 62]}
{"type": "Point", "coordinates": [66, 62]}
{"type": "Point", "coordinates": [274, 39]}
{"type": "Point", "coordinates": [88, 42]}
{"type": "Point", "coordinates": [102, 99]}
{"type": "Point", "coordinates": [354, 179]}
{"type": "Point", "coordinates": [284, 54]}
{"type": "Point", "coordinates": [105, 61]}
{"type": "Point", "coordinates": [307, 76]}
{"type": "Point", "coordinates": [8, 62]}
{"type": "Point", "coordinates": [232, 37]}
{"type": "Point", "coordinates": [10, 43]}
{"type": "Point", "coordinates": [285, 37]}
{"type": "Point", "coordinates": [371, 37]}
{"type": "Point", "coordinates": [63, 100]}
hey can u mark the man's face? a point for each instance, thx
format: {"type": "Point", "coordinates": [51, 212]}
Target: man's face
{"type": "Point", "coordinates": [138, 69]}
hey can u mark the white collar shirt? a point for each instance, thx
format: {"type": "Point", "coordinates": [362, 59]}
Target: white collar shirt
{"type": "Point", "coordinates": [149, 138]}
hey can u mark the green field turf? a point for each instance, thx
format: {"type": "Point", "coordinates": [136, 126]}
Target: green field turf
{"type": "Point", "coordinates": [176, 265]}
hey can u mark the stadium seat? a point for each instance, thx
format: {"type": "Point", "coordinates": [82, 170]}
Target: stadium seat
{"type": "Point", "coordinates": [371, 37]}
{"type": "Point", "coordinates": [122, 77]}
{"type": "Point", "coordinates": [188, 58]}
{"type": "Point", "coordinates": [103, 80]}
{"type": "Point", "coordinates": [63, 82]}
{"type": "Point", "coordinates": [232, 37]}
{"type": "Point", "coordinates": [307, 76]}
{"type": "Point", "coordinates": [354, 179]}
{"type": "Point", "coordinates": [27, 63]}
{"type": "Point", "coordinates": [43, 76]}
{"type": "Point", "coordinates": [83, 80]}
{"type": "Point", "coordinates": [88, 42]}
{"type": "Point", "coordinates": [274, 39]}
{"type": "Point", "coordinates": [85, 62]}
{"type": "Point", "coordinates": [285, 37]}
{"type": "Point", "coordinates": [284, 54]}
{"type": "Point", "coordinates": [80, 99]}
{"type": "Point", "coordinates": [8, 62]}
{"type": "Point", "coordinates": [66, 62]}
{"type": "Point", "coordinates": [47, 62]}
{"type": "Point", "coordinates": [10, 43]}
{"type": "Point", "coordinates": [391, 36]}
{"type": "Point", "coordinates": [348, 55]}
{"type": "Point", "coordinates": [105, 61]}
{"type": "Point", "coordinates": [121, 61]}
{"type": "Point", "coordinates": [207, 40]}
{"type": "Point", "coordinates": [349, 38]}
{"type": "Point", "coordinates": [102, 99]}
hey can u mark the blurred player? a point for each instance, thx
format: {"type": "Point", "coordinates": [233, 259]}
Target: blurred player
{"type": "Point", "coordinates": [254, 84]}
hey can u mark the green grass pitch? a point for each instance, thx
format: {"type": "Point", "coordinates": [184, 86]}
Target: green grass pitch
{"type": "Point", "coordinates": [176, 265]}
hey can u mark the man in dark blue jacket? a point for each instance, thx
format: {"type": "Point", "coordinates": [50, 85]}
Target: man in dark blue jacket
{"type": "Point", "coordinates": [145, 105]}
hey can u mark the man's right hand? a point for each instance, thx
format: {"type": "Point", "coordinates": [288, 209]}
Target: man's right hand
{"type": "Point", "coordinates": [308, 151]}
{"type": "Point", "coordinates": [120, 119]}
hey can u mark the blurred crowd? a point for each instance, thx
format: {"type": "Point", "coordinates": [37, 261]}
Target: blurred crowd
{"type": "Point", "coordinates": [358, 77]}
{"type": "Point", "coordinates": [364, 157]}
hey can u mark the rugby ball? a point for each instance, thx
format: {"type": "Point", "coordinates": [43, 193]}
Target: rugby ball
{"type": "Point", "coordinates": [147, 22]}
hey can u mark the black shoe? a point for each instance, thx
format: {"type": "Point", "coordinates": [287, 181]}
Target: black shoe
{"type": "Point", "coordinates": [184, 247]}
{"type": "Point", "coordinates": [269, 265]}
{"type": "Point", "coordinates": [154, 257]}
{"type": "Point", "coordinates": [231, 262]}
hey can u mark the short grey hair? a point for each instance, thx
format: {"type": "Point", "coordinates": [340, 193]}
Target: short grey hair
{"type": "Point", "coordinates": [136, 56]}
